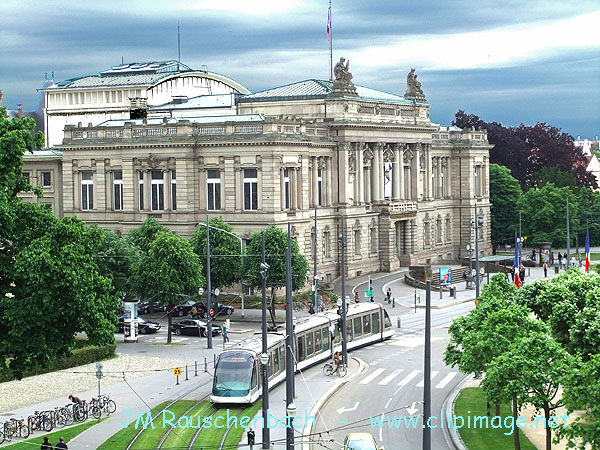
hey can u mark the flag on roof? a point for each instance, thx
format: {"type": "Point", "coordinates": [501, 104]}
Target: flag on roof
{"type": "Point", "coordinates": [329, 23]}
{"type": "Point", "coordinates": [516, 264]}
{"type": "Point", "coordinates": [587, 252]}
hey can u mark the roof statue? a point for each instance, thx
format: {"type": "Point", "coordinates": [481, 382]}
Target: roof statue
{"type": "Point", "coordinates": [343, 79]}
{"type": "Point", "coordinates": [413, 87]}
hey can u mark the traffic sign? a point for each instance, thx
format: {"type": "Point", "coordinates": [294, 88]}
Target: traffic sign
{"type": "Point", "coordinates": [369, 293]}
{"type": "Point", "coordinates": [177, 371]}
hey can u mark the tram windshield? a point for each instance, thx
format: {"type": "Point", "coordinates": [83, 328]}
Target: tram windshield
{"type": "Point", "coordinates": [387, 323]}
{"type": "Point", "coordinates": [233, 375]}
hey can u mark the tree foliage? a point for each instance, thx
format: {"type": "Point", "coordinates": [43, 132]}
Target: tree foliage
{"type": "Point", "coordinates": [143, 236]}
{"type": "Point", "coordinates": [526, 150]}
{"type": "Point", "coordinates": [115, 259]}
{"type": "Point", "coordinates": [226, 260]}
{"type": "Point", "coordinates": [505, 192]}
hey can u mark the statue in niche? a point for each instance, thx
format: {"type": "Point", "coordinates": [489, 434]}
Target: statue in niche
{"type": "Point", "coordinates": [343, 79]}
{"type": "Point", "coordinates": [413, 87]}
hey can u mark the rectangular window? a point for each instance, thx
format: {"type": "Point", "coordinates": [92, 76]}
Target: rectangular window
{"type": "Point", "coordinates": [282, 358]}
{"type": "Point", "coordinates": [118, 190]}
{"type": "Point", "coordinates": [46, 178]}
{"type": "Point", "coordinates": [309, 345]}
{"type": "Point", "coordinates": [366, 324]}
{"type": "Point", "coordinates": [27, 177]}
{"type": "Point", "coordinates": [478, 181]}
{"type": "Point", "coordinates": [87, 191]}
{"type": "Point", "coordinates": [301, 348]}
{"type": "Point", "coordinates": [325, 338]}
{"type": "Point", "coordinates": [318, 341]}
{"type": "Point", "coordinates": [286, 188]}
{"type": "Point", "coordinates": [213, 189]}
{"type": "Point", "coordinates": [173, 191]}
{"type": "Point", "coordinates": [157, 193]}
{"type": "Point", "coordinates": [349, 330]}
{"type": "Point", "coordinates": [375, 322]}
{"type": "Point", "coordinates": [320, 187]}
{"type": "Point", "coordinates": [141, 190]}
{"type": "Point", "coordinates": [357, 327]}
{"type": "Point", "coordinates": [250, 190]}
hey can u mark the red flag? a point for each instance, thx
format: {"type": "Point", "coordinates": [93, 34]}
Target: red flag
{"type": "Point", "coordinates": [329, 24]}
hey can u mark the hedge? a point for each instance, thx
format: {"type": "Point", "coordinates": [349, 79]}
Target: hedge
{"type": "Point", "coordinates": [78, 357]}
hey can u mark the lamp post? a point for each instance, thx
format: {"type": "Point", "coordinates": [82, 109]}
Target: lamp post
{"type": "Point", "coordinates": [342, 241]}
{"type": "Point", "coordinates": [208, 289]}
{"type": "Point", "coordinates": [568, 238]}
{"type": "Point", "coordinates": [289, 342]}
{"type": "Point", "coordinates": [478, 224]}
{"type": "Point", "coordinates": [264, 357]}
{"type": "Point", "coordinates": [315, 277]}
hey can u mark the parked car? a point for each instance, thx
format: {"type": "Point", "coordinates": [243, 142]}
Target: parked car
{"type": "Point", "coordinates": [184, 308]}
{"type": "Point", "coordinates": [218, 309]}
{"type": "Point", "coordinates": [144, 307]}
{"type": "Point", "coordinates": [144, 326]}
{"type": "Point", "coordinates": [360, 441]}
{"type": "Point", "coordinates": [194, 327]}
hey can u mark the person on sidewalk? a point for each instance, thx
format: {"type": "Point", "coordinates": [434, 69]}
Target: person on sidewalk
{"type": "Point", "coordinates": [388, 295]}
{"type": "Point", "coordinates": [545, 270]}
{"type": "Point", "coordinates": [356, 297]}
{"type": "Point", "coordinates": [225, 331]}
{"type": "Point", "coordinates": [61, 444]}
{"type": "Point", "coordinates": [559, 260]}
{"type": "Point", "coordinates": [46, 445]}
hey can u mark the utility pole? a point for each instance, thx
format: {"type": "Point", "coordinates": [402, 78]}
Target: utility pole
{"type": "Point", "coordinates": [568, 238]}
{"type": "Point", "coordinates": [427, 370]}
{"type": "Point", "coordinates": [208, 290]}
{"type": "Point", "coordinates": [264, 358]}
{"type": "Point", "coordinates": [315, 277]}
{"type": "Point", "coordinates": [476, 253]}
{"type": "Point", "coordinates": [289, 340]}
{"type": "Point", "coordinates": [342, 239]}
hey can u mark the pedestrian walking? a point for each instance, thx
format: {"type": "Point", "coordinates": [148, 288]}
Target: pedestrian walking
{"type": "Point", "coordinates": [522, 274]}
{"type": "Point", "coordinates": [512, 274]}
{"type": "Point", "coordinates": [551, 258]}
{"type": "Point", "coordinates": [559, 260]}
{"type": "Point", "coordinates": [545, 270]}
{"type": "Point", "coordinates": [46, 445]}
{"type": "Point", "coordinates": [388, 295]}
{"type": "Point", "coordinates": [61, 444]}
{"type": "Point", "coordinates": [356, 297]}
{"type": "Point", "coordinates": [225, 331]}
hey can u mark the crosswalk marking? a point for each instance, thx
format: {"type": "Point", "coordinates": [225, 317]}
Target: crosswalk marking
{"type": "Point", "coordinates": [409, 377]}
{"type": "Point", "coordinates": [390, 377]}
{"type": "Point", "coordinates": [433, 375]}
{"type": "Point", "coordinates": [442, 384]}
{"type": "Point", "coordinates": [372, 376]}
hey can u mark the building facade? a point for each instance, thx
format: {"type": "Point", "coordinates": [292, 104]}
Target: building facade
{"type": "Point", "coordinates": [406, 186]}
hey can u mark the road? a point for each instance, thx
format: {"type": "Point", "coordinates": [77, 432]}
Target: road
{"type": "Point", "coordinates": [393, 381]}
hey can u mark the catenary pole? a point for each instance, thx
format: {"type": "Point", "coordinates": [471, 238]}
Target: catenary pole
{"type": "Point", "coordinates": [568, 238]}
{"type": "Point", "coordinates": [476, 253]}
{"type": "Point", "coordinates": [266, 438]}
{"type": "Point", "coordinates": [315, 277]}
{"type": "Point", "coordinates": [344, 306]}
{"type": "Point", "coordinates": [208, 289]}
{"type": "Point", "coordinates": [427, 370]}
{"type": "Point", "coordinates": [289, 331]}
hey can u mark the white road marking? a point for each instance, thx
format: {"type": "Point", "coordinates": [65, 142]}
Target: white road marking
{"type": "Point", "coordinates": [372, 376]}
{"type": "Point", "coordinates": [390, 377]}
{"type": "Point", "coordinates": [433, 375]}
{"type": "Point", "coordinates": [442, 384]}
{"type": "Point", "coordinates": [408, 377]}
{"type": "Point", "coordinates": [388, 403]}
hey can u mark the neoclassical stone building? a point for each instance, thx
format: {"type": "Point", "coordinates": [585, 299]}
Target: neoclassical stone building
{"type": "Point", "coordinates": [406, 186]}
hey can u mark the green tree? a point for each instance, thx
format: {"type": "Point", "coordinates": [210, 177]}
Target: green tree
{"type": "Point", "coordinates": [168, 271]}
{"type": "Point", "coordinates": [505, 192]}
{"type": "Point", "coordinates": [226, 260]}
{"type": "Point", "coordinates": [58, 292]}
{"type": "Point", "coordinates": [556, 176]}
{"type": "Point", "coordinates": [144, 235]}
{"type": "Point", "coordinates": [531, 372]}
{"type": "Point", "coordinates": [544, 214]}
{"type": "Point", "coordinates": [581, 392]}
{"type": "Point", "coordinates": [275, 248]}
{"type": "Point", "coordinates": [115, 259]}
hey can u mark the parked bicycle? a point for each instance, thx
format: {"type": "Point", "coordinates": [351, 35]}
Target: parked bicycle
{"type": "Point", "coordinates": [330, 368]}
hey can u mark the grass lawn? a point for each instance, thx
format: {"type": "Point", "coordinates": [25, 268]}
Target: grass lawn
{"type": "Point", "coordinates": [472, 402]}
{"type": "Point", "coordinates": [236, 435]}
{"type": "Point", "coordinates": [211, 437]}
{"type": "Point", "coordinates": [151, 437]}
{"type": "Point", "coordinates": [67, 433]}
{"type": "Point", "coordinates": [122, 438]}
{"type": "Point", "coordinates": [181, 437]}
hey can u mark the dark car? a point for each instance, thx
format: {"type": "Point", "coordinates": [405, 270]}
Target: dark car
{"type": "Point", "coordinates": [145, 307]}
{"type": "Point", "coordinates": [184, 308]}
{"type": "Point", "coordinates": [144, 326]}
{"type": "Point", "coordinates": [194, 327]}
{"type": "Point", "coordinates": [218, 309]}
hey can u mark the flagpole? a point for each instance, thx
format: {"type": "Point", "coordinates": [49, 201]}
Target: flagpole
{"type": "Point", "coordinates": [330, 45]}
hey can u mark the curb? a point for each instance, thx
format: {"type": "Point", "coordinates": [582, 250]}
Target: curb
{"type": "Point", "coordinates": [453, 439]}
{"type": "Point", "coordinates": [306, 431]}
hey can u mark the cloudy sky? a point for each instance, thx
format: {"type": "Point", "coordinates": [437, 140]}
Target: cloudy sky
{"type": "Point", "coordinates": [509, 61]}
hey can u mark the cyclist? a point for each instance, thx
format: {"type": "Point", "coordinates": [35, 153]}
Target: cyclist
{"type": "Point", "coordinates": [337, 359]}
{"type": "Point", "coordinates": [75, 400]}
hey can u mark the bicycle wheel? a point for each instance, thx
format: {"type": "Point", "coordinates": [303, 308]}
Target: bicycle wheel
{"type": "Point", "coordinates": [110, 407]}
{"type": "Point", "coordinates": [95, 412]}
{"type": "Point", "coordinates": [327, 369]}
{"type": "Point", "coordinates": [342, 370]}
{"type": "Point", "coordinates": [23, 431]}
{"type": "Point", "coordinates": [2, 438]}
{"type": "Point", "coordinates": [79, 414]}
{"type": "Point", "coordinates": [46, 424]}
{"type": "Point", "coordinates": [297, 307]}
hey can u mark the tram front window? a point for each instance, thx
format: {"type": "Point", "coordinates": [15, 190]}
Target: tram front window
{"type": "Point", "coordinates": [233, 375]}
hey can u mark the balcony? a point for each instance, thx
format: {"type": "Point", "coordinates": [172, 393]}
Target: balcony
{"type": "Point", "coordinates": [398, 209]}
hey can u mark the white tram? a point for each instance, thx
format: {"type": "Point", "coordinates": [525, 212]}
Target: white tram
{"type": "Point", "coordinates": [237, 376]}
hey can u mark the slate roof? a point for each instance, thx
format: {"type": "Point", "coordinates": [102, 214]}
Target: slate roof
{"type": "Point", "coordinates": [117, 80]}
{"type": "Point", "coordinates": [313, 88]}
{"type": "Point", "coordinates": [174, 120]}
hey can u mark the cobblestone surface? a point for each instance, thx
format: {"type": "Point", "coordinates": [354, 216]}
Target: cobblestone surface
{"type": "Point", "coordinates": [39, 388]}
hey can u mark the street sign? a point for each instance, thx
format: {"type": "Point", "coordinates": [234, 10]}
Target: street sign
{"type": "Point", "coordinates": [369, 293]}
{"type": "Point", "coordinates": [217, 292]}
{"type": "Point", "coordinates": [177, 371]}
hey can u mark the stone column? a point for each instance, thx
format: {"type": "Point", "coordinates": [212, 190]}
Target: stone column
{"type": "Point", "coordinates": [239, 188]}
{"type": "Point", "coordinates": [381, 172]}
{"type": "Point", "coordinates": [428, 171]}
{"type": "Point", "coordinates": [328, 178]}
{"type": "Point", "coordinates": [360, 173]}
{"type": "Point", "coordinates": [441, 178]}
{"type": "Point", "coordinates": [76, 191]}
{"type": "Point", "coordinates": [147, 190]}
{"type": "Point", "coordinates": [447, 178]}
{"type": "Point", "coordinates": [314, 182]}
{"type": "Point", "coordinates": [293, 188]}
{"type": "Point", "coordinates": [397, 174]}
{"type": "Point", "coordinates": [416, 173]}
{"type": "Point", "coordinates": [375, 167]}
{"type": "Point", "coordinates": [282, 188]}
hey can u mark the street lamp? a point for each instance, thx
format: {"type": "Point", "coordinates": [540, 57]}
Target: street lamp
{"type": "Point", "coordinates": [342, 241]}
{"type": "Point", "coordinates": [470, 251]}
{"type": "Point", "coordinates": [477, 223]}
